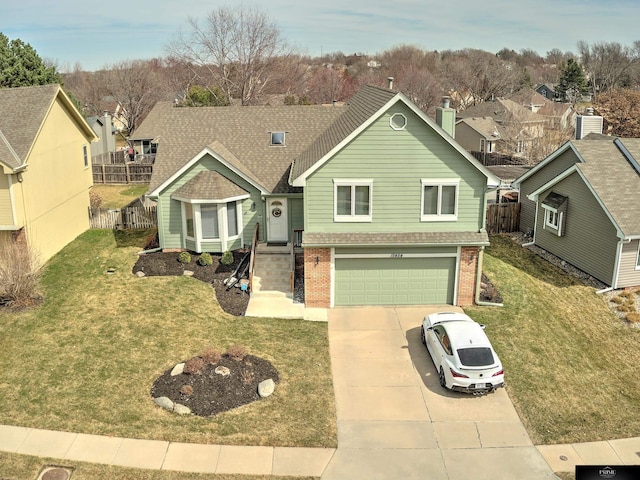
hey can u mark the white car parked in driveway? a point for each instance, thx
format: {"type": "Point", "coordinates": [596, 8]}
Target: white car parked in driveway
{"type": "Point", "coordinates": [461, 352]}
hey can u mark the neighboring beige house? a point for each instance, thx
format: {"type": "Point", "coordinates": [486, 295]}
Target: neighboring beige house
{"type": "Point", "coordinates": [479, 134]}
{"type": "Point", "coordinates": [45, 168]}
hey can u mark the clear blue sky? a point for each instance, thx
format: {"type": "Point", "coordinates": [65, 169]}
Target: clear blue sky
{"type": "Point", "coordinates": [97, 33]}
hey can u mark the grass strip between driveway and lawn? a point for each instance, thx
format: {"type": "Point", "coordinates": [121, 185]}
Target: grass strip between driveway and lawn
{"type": "Point", "coordinates": [570, 363]}
{"type": "Point", "coordinates": [84, 361]}
{"type": "Point", "coordinates": [14, 466]}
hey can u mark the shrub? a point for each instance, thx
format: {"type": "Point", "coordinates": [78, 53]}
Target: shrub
{"type": "Point", "coordinates": [227, 258]}
{"type": "Point", "coordinates": [184, 257]}
{"type": "Point", "coordinates": [205, 259]}
{"type": "Point", "coordinates": [95, 200]}
{"type": "Point", "coordinates": [186, 390]}
{"type": "Point", "coordinates": [211, 356]}
{"type": "Point", "coordinates": [194, 366]}
{"type": "Point", "coordinates": [633, 317]}
{"type": "Point", "coordinates": [20, 274]}
{"type": "Point", "coordinates": [247, 377]}
{"type": "Point", "coordinates": [237, 352]}
{"type": "Point", "coordinates": [152, 242]}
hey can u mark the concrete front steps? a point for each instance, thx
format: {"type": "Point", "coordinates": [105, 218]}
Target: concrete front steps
{"type": "Point", "coordinates": [272, 275]}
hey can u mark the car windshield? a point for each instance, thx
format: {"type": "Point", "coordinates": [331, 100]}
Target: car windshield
{"type": "Point", "coordinates": [476, 357]}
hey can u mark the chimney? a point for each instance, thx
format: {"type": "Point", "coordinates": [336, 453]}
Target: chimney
{"type": "Point", "coordinates": [588, 123]}
{"type": "Point", "coordinates": [390, 82]}
{"type": "Point", "coordinates": [446, 117]}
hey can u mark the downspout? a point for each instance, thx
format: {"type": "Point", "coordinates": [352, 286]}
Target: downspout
{"type": "Point", "coordinates": [479, 280]}
{"type": "Point", "coordinates": [535, 227]}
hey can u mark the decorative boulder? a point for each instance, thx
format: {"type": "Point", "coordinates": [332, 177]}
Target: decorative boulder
{"type": "Point", "coordinates": [266, 388]}
{"type": "Point", "coordinates": [177, 370]}
{"type": "Point", "coordinates": [181, 409]}
{"type": "Point", "coordinates": [164, 402]}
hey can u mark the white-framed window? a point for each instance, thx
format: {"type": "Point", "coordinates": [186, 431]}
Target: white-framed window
{"type": "Point", "coordinates": [551, 218]}
{"type": "Point", "coordinates": [352, 200]}
{"type": "Point", "coordinates": [638, 258]}
{"type": "Point", "coordinates": [212, 221]}
{"type": "Point", "coordinates": [439, 200]}
{"type": "Point", "coordinates": [398, 121]}
{"type": "Point", "coordinates": [85, 155]}
{"type": "Point", "coordinates": [277, 138]}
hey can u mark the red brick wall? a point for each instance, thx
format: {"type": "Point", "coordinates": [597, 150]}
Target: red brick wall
{"type": "Point", "coordinates": [468, 273]}
{"type": "Point", "coordinates": [317, 277]}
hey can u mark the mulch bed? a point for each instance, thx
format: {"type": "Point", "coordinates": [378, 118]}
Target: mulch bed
{"type": "Point", "coordinates": [212, 393]}
{"type": "Point", "coordinates": [233, 300]}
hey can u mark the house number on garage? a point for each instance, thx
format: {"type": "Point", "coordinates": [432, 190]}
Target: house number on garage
{"type": "Point", "coordinates": [396, 255]}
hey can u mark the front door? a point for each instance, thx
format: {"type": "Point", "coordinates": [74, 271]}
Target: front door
{"type": "Point", "coordinates": [277, 220]}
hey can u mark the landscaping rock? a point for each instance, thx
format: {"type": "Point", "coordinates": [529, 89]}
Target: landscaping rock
{"type": "Point", "coordinates": [140, 274]}
{"type": "Point", "coordinates": [177, 370]}
{"type": "Point", "coordinates": [164, 402]}
{"type": "Point", "coordinates": [266, 388]}
{"type": "Point", "coordinates": [224, 371]}
{"type": "Point", "coordinates": [181, 409]}
{"type": "Point", "coordinates": [188, 273]}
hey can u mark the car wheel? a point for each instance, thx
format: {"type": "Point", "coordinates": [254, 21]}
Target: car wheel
{"type": "Point", "coordinates": [422, 337]}
{"type": "Point", "coordinates": [441, 377]}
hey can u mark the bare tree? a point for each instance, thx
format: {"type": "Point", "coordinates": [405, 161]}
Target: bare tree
{"type": "Point", "coordinates": [620, 109]}
{"type": "Point", "coordinates": [134, 85]}
{"type": "Point", "coordinates": [478, 76]}
{"type": "Point", "coordinates": [240, 49]}
{"type": "Point", "coordinates": [609, 65]}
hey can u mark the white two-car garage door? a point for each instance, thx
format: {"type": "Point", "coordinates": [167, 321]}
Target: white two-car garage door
{"type": "Point", "coordinates": [394, 281]}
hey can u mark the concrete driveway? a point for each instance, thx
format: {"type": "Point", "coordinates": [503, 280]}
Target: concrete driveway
{"type": "Point", "coordinates": [394, 419]}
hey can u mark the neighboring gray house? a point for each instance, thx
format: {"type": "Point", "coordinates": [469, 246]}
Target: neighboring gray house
{"type": "Point", "coordinates": [103, 128]}
{"type": "Point", "coordinates": [548, 91]}
{"type": "Point", "coordinates": [580, 204]}
{"type": "Point", "coordinates": [391, 207]}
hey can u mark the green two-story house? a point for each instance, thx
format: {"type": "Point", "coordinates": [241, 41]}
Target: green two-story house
{"type": "Point", "coordinates": [391, 208]}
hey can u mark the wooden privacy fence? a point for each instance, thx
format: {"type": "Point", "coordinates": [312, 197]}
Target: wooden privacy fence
{"type": "Point", "coordinates": [122, 173]}
{"type": "Point", "coordinates": [503, 217]}
{"type": "Point", "coordinates": [127, 217]}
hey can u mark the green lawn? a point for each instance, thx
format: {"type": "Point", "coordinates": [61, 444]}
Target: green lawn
{"type": "Point", "coordinates": [117, 196]}
{"type": "Point", "coordinates": [85, 360]}
{"type": "Point", "coordinates": [571, 366]}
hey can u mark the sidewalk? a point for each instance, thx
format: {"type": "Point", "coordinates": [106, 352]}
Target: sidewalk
{"type": "Point", "coordinates": [284, 461]}
{"type": "Point", "coordinates": [159, 455]}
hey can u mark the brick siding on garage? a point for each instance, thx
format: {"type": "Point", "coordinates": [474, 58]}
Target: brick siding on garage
{"type": "Point", "coordinates": [468, 275]}
{"type": "Point", "coordinates": [317, 277]}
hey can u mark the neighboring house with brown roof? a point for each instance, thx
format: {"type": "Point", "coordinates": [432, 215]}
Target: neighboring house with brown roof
{"type": "Point", "coordinates": [45, 168]}
{"type": "Point", "coordinates": [519, 126]}
{"type": "Point", "coordinates": [392, 208]}
{"type": "Point", "coordinates": [580, 204]}
{"type": "Point", "coordinates": [479, 134]}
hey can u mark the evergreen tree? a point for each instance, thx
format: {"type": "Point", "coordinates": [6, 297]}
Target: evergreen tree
{"type": "Point", "coordinates": [21, 66]}
{"type": "Point", "coordinates": [573, 83]}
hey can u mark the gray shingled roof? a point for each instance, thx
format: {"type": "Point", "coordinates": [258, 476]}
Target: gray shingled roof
{"type": "Point", "coordinates": [612, 177]}
{"type": "Point", "coordinates": [395, 238]}
{"type": "Point", "coordinates": [486, 126]}
{"type": "Point", "coordinates": [22, 111]}
{"type": "Point", "coordinates": [361, 107]}
{"type": "Point", "coordinates": [239, 135]}
{"type": "Point", "coordinates": [209, 186]}
{"type": "Point", "coordinates": [502, 110]}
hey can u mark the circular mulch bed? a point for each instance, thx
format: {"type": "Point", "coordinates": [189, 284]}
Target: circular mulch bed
{"type": "Point", "coordinates": [213, 393]}
{"type": "Point", "coordinates": [233, 300]}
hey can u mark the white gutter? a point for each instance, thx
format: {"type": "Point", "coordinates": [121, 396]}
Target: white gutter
{"type": "Point", "coordinates": [479, 280]}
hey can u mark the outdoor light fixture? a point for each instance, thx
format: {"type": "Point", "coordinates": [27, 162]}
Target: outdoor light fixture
{"type": "Point", "coordinates": [317, 260]}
